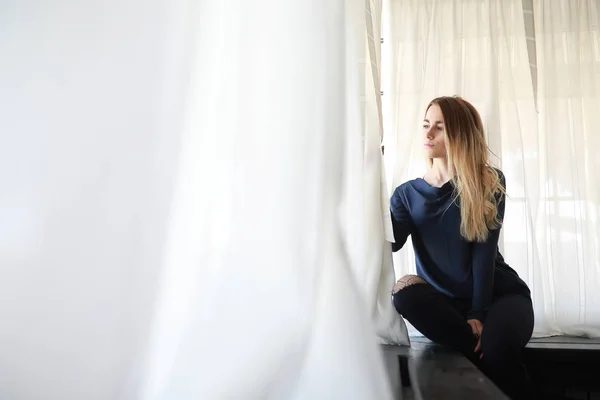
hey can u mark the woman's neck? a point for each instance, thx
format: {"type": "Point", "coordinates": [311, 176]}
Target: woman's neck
{"type": "Point", "coordinates": [439, 172]}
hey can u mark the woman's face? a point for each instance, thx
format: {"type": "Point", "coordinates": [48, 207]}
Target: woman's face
{"type": "Point", "coordinates": [434, 133]}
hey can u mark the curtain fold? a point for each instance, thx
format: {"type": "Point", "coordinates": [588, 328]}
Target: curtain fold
{"type": "Point", "coordinates": [281, 305]}
{"type": "Point", "coordinates": [365, 201]}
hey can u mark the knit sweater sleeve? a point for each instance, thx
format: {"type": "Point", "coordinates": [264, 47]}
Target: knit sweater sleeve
{"type": "Point", "coordinates": [401, 219]}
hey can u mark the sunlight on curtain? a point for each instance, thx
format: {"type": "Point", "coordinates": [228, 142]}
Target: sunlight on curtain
{"type": "Point", "coordinates": [567, 225]}
{"type": "Point", "coordinates": [479, 50]}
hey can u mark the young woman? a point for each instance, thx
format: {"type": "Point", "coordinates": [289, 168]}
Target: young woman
{"type": "Point", "coordinates": [464, 295]}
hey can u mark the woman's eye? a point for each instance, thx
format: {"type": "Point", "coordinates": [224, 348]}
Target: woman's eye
{"type": "Point", "coordinates": [425, 126]}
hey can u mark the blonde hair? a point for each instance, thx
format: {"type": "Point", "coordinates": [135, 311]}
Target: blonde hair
{"type": "Point", "coordinates": [478, 185]}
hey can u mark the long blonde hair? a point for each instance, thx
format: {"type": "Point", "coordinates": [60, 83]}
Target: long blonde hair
{"type": "Point", "coordinates": [478, 185]}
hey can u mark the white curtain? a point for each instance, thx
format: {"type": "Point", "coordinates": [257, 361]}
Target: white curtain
{"type": "Point", "coordinates": [269, 308]}
{"type": "Point", "coordinates": [366, 216]}
{"type": "Point", "coordinates": [88, 141]}
{"type": "Point", "coordinates": [479, 50]}
{"type": "Point", "coordinates": [175, 204]}
{"type": "Point", "coordinates": [567, 225]}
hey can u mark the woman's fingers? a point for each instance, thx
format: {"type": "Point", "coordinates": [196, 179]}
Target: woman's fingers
{"type": "Point", "coordinates": [477, 328]}
{"type": "Point", "coordinates": [472, 325]}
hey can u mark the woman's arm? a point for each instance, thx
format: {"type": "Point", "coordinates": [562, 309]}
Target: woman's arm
{"type": "Point", "coordinates": [401, 220]}
{"type": "Point", "coordinates": [484, 265]}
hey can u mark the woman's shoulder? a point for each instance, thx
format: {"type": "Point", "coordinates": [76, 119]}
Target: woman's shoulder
{"type": "Point", "coordinates": [411, 184]}
{"type": "Point", "coordinates": [404, 194]}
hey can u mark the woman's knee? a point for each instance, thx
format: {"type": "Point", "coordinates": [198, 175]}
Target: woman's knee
{"type": "Point", "coordinates": [405, 300]}
{"type": "Point", "coordinates": [407, 280]}
{"type": "Point", "coordinates": [502, 346]}
{"type": "Point", "coordinates": [507, 329]}
{"type": "Point", "coordinates": [500, 349]}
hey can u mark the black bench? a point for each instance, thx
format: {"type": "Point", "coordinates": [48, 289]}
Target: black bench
{"type": "Point", "coordinates": [560, 368]}
{"type": "Point", "coordinates": [426, 371]}
{"type": "Point", "coordinates": [564, 367]}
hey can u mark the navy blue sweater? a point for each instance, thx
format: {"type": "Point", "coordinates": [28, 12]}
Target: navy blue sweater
{"type": "Point", "coordinates": [454, 266]}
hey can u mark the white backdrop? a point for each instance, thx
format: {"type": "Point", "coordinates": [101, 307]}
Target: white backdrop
{"type": "Point", "coordinates": [173, 218]}
{"type": "Point", "coordinates": [479, 50]}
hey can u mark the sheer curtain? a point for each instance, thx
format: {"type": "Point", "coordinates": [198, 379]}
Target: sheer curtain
{"type": "Point", "coordinates": [271, 307]}
{"type": "Point", "coordinates": [88, 147]}
{"type": "Point", "coordinates": [365, 206]}
{"type": "Point", "coordinates": [479, 50]}
{"type": "Point", "coordinates": [175, 201]}
{"type": "Point", "coordinates": [567, 224]}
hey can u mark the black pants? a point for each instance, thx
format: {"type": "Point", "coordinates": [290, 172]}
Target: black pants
{"type": "Point", "coordinates": [506, 330]}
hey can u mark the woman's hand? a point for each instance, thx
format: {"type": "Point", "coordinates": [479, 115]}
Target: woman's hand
{"type": "Point", "coordinates": [477, 328]}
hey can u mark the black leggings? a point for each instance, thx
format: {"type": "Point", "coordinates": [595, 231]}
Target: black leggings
{"type": "Point", "coordinates": [506, 330]}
